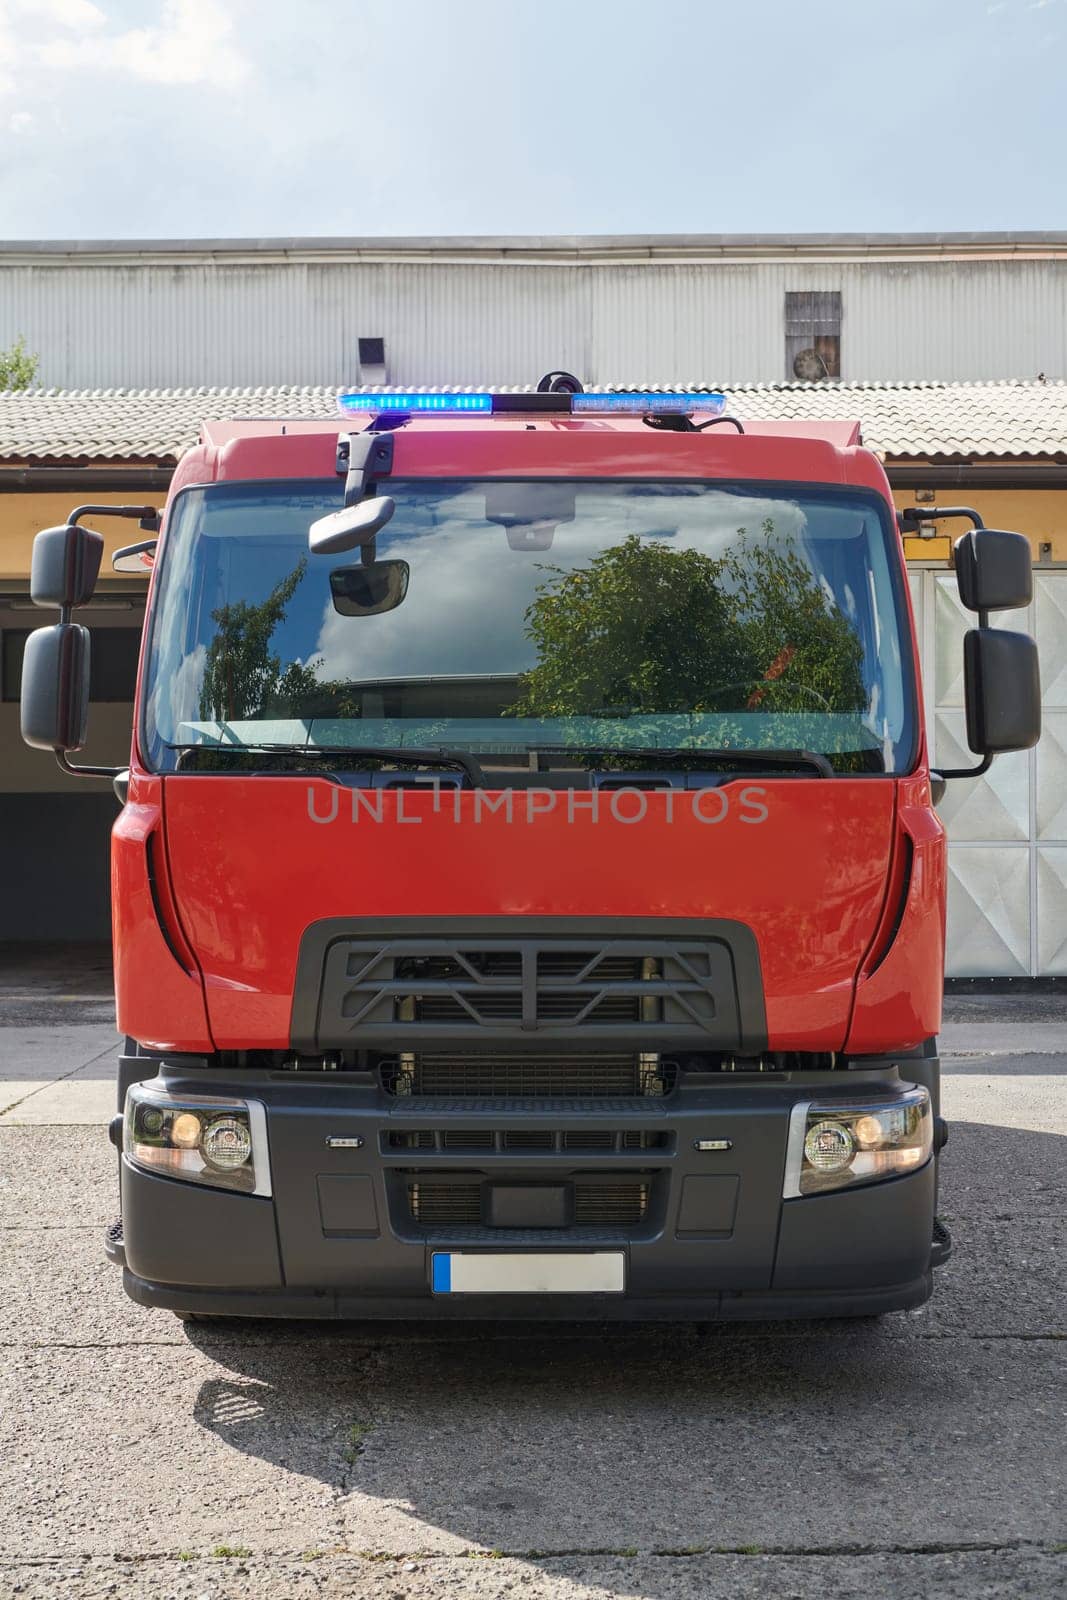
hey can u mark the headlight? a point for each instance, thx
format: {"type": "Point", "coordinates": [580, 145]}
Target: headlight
{"type": "Point", "coordinates": [834, 1144]}
{"type": "Point", "coordinates": [198, 1138]}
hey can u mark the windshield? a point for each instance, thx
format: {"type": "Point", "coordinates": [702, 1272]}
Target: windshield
{"type": "Point", "coordinates": [507, 618]}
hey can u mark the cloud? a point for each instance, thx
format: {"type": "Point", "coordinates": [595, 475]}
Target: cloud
{"type": "Point", "coordinates": [76, 14]}
{"type": "Point", "coordinates": [193, 42]}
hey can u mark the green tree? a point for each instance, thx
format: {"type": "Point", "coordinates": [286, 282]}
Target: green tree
{"type": "Point", "coordinates": [641, 628]}
{"type": "Point", "coordinates": [805, 653]}
{"type": "Point", "coordinates": [245, 679]}
{"type": "Point", "coordinates": [18, 368]}
{"type": "Point", "coordinates": [645, 628]}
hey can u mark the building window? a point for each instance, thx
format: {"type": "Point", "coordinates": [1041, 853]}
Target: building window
{"type": "Point", "coordinates": [112, 669]}
{"type": "Point", "coordinates": [372, 352]}
{"type": "Point", "coordinates": [812, 336]}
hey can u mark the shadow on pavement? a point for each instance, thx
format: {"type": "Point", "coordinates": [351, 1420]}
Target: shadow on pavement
{"type": "Point", "coordinates": [576, 1435]}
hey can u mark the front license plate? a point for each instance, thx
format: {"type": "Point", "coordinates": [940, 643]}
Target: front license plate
{"type": "Point", "coordinates": [462, 1272]}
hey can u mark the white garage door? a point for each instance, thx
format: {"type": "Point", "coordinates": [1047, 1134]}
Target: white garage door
{"type": "Point", "coordinates": [1007, 895]}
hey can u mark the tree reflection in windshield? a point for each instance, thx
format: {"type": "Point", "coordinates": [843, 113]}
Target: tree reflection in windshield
{"type": "Point", "coordinates": [644, 628]}
{"type": "Point", "coordinates": [244, 679]}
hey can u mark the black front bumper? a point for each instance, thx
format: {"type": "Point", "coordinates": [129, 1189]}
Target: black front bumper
{"type": "Point", "coordinates": [337, 1239]}
{"type": "Point", "coordinates": [322, 1306]}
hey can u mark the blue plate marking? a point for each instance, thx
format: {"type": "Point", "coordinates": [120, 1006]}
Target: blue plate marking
{"type": "Point", "coordinates": [442, 1274]}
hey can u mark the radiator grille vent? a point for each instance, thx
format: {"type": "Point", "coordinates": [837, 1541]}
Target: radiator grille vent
{"type": "Point", "coordinates": [510, 1139]}
{"type": "Point", "coordinates": [439, 1203]}
{"type": "Point", "coordinates": [610, 1205]}
{"type": "Point", "coordinates": [559, 1076]}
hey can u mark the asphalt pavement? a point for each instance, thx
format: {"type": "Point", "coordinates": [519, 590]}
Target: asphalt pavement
{"type": "Point", "coordinates": [921, 1454]}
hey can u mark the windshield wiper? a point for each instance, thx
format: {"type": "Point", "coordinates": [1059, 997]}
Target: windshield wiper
{"type": "Point", "coordinates": [746, 758]}
{"type": "Point", "coordinates": [298, 753]}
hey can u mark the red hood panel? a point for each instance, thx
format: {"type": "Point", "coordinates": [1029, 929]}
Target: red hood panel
{"type": "Point", "coordinates": [803, 862]}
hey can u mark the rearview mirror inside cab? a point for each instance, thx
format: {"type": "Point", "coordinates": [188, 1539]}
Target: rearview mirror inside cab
{"type": "Point", "coordinates": [367, 590]}
{"type": "Point", "coordinates": [531, 512]}
{"type": "Point", "coordinates": [351, 526]}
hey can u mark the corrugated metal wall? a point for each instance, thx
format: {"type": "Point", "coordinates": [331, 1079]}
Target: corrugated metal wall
{"type": "Point", "coordinates": [145, 325]}
{"type": "Point", "coordinates": [1007, 831]}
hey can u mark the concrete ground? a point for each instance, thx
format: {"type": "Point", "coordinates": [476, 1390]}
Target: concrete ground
{"type": "Point", "coordinates": [919, 1455]}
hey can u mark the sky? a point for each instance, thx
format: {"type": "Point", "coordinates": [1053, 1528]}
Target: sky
{"type": "Point", "coordinates": [264, 118]}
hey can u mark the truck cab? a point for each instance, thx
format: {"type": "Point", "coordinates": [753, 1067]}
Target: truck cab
{"type": "Point", "coordinates": [528, 894]}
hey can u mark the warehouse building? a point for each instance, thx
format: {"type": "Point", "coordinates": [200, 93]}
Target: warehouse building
{"type": "Point", "coordinates": [1001, 447]}
{"type": "Point", "coordinates": [720, 309]}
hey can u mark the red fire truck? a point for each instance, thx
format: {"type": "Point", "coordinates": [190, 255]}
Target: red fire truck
{"type": "Point", "coordinates": [528, 893]}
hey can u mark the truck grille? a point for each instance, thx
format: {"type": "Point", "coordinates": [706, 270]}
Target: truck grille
{"type": "Point", "coordinates": [485, 986]}
{"type": "Point", "coordinates": [425, 985]}
{"type": "Point", "coordinates": [578, 1076]}
{"type": "Point", "coordinates": [612, 983]}
{"type": "Point", "coordinates": [439, 1203]}
{"type": "Point", "coordinates": [507, 1007]}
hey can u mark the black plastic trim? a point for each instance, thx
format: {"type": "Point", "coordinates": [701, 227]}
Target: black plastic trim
{"type": "Point", "coordinates": [902, 901]}
{"type": "Point", "coordinates": [755, 1306]}
{"type": "Point", "coordinates": [150, 848]}
{"type": "Point", "coordinates": [744, 1028]}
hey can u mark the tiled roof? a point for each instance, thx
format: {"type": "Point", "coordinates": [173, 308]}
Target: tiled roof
{"type": "Point", "coordinates": [902, 420]}
{"type": "Point", "coordinates": [976, 420]}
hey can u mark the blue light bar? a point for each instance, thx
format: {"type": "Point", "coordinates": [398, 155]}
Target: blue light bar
{"type": "Point", "coordinates": [412, 400]}
{"type": "Point", "coordinates": [650, 404]}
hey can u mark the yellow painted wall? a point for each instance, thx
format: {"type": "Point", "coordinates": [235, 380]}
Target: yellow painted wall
{"type": "Point", "coordinates": [23, 515]}
{"type": "Point", "coordinates": [1039, 513]}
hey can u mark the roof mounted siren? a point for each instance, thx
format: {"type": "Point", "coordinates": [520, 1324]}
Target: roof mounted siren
{"type": "Point", "coordinates": [560, 383]}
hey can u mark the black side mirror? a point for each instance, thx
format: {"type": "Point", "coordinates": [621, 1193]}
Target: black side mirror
{"type": "Point", "coordinates": [367, 590]}
{"type": "Point", "coordinates": [65, 565]}
{"type": "Point", "coordinates": [54, 712]}
{"type": "Point", "coordinates": [993, 570]}
{"type": "Point", "coordinates": [1003, 691]}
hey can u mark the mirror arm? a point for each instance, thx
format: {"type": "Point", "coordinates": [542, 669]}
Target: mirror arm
{"type": "Point", "coordinates": [147, 516]}
{"type": "Point", "coordinates": [85, 772]}
{"type": "Point", "coordinates": [944, 773]}
{"type": "Point", "coordinates": [363, 457]}
{"type": "Point", "coordinates": [910, 519]}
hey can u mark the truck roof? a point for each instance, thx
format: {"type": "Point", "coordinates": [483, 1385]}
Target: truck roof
{"type": "Point", "coordinates": [844, 434]}
{"type": "Point", "coordinates": [538, 444]}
